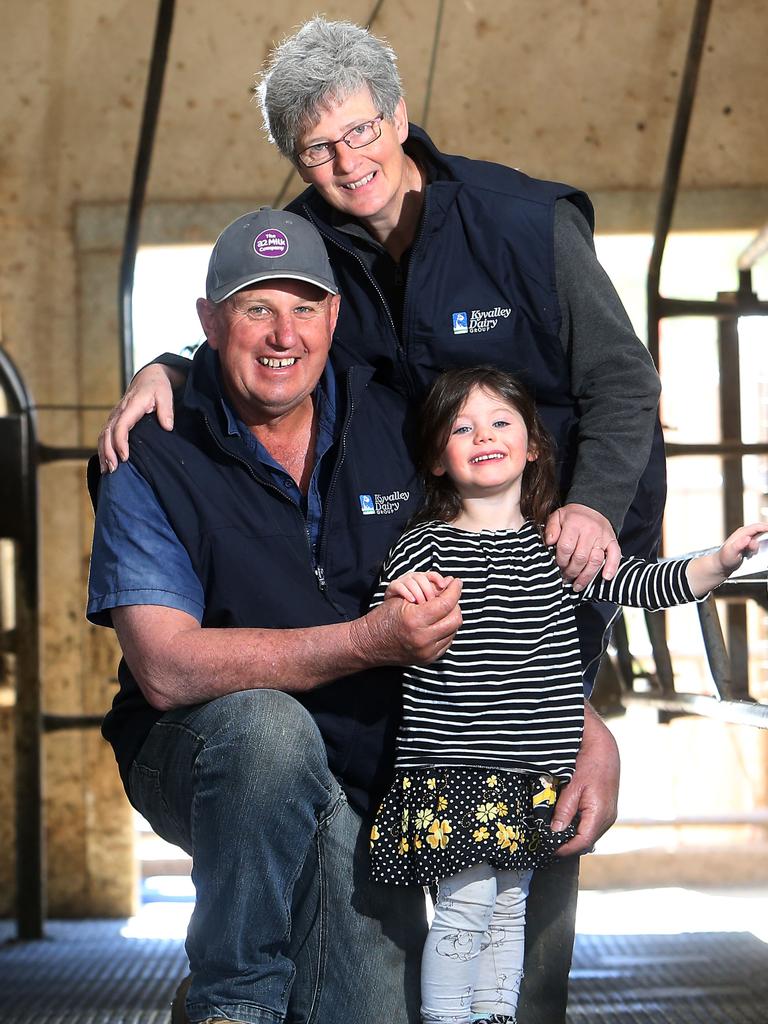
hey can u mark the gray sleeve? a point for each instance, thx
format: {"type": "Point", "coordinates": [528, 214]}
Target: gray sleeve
{"type": "Point", "coordinates": [613, 378]}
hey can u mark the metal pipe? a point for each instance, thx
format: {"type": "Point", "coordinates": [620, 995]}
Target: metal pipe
{"type": "Point", "coordinates": [57, 723]}
{"type": "Point", "coordinates": [735, 712]}
{"type": "Point", "coordinates": [737, 818]}
{"type": "Point", "coordinates": [744, 305]}
{"type": "Point", "coordinates": [46, 453]}
{"type": "Point", "coordinates": [674, 162]}
{"type": "Point", "coordinates": [140, 175]}
{"type": "Point", "coordinates": [755, 251]}
{"type": "Point", "coordinates": [22, 528]}
{"type": "Point", "coordinates": [716, 448]}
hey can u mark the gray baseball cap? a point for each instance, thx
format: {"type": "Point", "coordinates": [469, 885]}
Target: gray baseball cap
{"type": "Point", "coordinates": [263, 245]}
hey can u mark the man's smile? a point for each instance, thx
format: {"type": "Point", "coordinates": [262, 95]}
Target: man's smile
{"type": "Point", "coordinates": [274, 363]}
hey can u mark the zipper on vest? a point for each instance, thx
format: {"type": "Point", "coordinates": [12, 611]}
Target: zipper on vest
{"type": "Point", "coordinates": [316, 568]}
{"type": "Point", "coordinates": [399, 347]}
{"type": "Point", "coordinates": [335, 476]}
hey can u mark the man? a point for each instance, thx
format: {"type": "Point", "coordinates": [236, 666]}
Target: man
{"type": "Point", "coordinates": [235, 558]}
{"type": "Point", "coordinates": [444, 261]}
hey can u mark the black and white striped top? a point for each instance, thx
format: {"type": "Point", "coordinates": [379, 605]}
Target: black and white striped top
{"type": "Point", "coordinates": [508, 692]}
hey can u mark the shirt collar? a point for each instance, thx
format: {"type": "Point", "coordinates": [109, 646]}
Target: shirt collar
{"type": "Point", "coordinates": [323, 398]}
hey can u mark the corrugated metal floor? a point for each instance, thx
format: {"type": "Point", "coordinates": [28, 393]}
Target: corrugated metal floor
{"type": "Point", "coordinates": [102, 972]}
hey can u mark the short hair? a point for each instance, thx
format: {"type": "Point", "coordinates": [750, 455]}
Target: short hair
{"type": "Point", "coordinates": [324, 62]}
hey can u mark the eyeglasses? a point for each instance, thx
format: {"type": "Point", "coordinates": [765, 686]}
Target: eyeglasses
{"type": "Point", "coordinates": [361, 135]}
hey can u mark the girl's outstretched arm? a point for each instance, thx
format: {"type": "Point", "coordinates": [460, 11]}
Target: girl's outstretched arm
{"type": "Point", "coordinates": [708, 571]}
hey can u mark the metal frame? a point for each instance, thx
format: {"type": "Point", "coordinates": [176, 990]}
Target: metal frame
{"type": "Point", "coordinates": [728, 665]}
{"type": "Point", "coordinates": [21, 455]}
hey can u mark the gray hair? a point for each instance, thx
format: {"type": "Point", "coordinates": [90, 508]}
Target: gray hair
{"type": "Point", "coordinates": [324, 62]}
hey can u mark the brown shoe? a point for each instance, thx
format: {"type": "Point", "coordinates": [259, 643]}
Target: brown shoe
{"type": "Point", "coordinates": [179, 1004]}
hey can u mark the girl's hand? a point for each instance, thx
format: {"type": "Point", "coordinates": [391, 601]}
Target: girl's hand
{"type": "Point", "coordinates": [706, 572]}
{"type": "Point", "coordinates": [417, 587]}
{"type": "Point", "coordinates": [741, 543]}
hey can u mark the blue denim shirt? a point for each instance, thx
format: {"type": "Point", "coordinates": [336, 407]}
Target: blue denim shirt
{"type": "Point", "coordinates": [136, 557]}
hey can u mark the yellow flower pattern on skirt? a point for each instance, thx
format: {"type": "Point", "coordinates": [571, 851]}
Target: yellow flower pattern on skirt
{"type": "Point", "coordinates": [435, 822]}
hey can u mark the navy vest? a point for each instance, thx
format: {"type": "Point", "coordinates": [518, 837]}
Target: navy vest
{"type": "Point", "coordinates": [481, 289]}
{"type": "Point", "coordinates": [248, 545]}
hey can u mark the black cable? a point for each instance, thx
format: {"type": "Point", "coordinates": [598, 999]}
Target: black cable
{"type": "Point", "coordinates": [432, 63]}
{"type": "Point", "coordinates": [140, 175]}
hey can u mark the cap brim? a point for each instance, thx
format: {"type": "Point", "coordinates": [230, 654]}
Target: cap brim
{"type": "Point", "coordinates": [216, 296]}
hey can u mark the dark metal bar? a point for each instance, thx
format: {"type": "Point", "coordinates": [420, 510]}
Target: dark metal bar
{"type": "Point", "coordinates": [714, 646]}
{"type": "Point", "coordinates": [733, 490]}
{"type": "Point", "coordinates": [30, 842]}
{"type": "Point", "coordinates": [716, 448]}
{"type": "Point", "coordinates": [672, 170]}
{"type": "Point", "coordinates": [746, 305]}
{"type": "Point", "coordinates": [657, 634]}
{"type": "Point", "coordinates": [46, 454]}
{"type": "Point", "coordinates": [57, 723]}
{"type": "Point", "coordinates": [152, 99]}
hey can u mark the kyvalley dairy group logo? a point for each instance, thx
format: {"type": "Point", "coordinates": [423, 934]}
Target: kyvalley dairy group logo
{"type": "Point", "coordinates": [478, 321]}
{"type": "Point", "coordinates": [382, 504]}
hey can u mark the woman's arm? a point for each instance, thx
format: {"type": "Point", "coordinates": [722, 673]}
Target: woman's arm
{"type": "Point", "coordinates": [149, 391]}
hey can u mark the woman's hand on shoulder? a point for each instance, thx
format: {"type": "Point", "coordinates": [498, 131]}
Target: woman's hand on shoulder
{"type": "Point", "coordinates": [149, 391]}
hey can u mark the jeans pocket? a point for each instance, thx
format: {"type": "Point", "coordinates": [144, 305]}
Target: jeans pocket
{"type": "Point", "coordinates": [146, 793]}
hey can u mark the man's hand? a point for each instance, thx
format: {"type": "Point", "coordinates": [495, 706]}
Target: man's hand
{"type": "Point", "coordinates": [593, 791]}
{"type": "Point", "coordinates": [585, 541]}
{"type": "Point", "coordinates": [149, 391]}
{"type": "Point", "coordinates": [401, 632]}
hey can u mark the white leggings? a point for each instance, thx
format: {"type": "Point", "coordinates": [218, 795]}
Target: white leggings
{"type": "Point", "coordinates": [473, 957]}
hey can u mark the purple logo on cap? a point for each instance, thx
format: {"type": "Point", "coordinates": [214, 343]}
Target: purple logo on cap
{"type": "Point", "coordinates": [270, 243]}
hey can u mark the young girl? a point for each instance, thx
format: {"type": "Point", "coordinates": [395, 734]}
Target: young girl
{"type": "Point", "coordinates": [491, 730]}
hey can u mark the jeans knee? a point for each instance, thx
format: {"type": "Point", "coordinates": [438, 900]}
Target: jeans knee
{"type": "Point", "coordinates": [263, 737]}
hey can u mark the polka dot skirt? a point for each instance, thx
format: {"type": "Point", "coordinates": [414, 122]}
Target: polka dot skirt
{"type": "Point", "coordinates": [434, 822]}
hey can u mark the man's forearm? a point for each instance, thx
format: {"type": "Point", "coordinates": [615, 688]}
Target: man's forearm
{"type": "Point", "coordinates": [177, 663]}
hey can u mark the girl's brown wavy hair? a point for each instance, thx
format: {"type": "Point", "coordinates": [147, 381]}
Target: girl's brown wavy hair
{"type": "Point", "coordinates": [539, 493]}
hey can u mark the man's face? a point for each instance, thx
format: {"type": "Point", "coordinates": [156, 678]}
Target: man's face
{"type": "Point", "coordinates": [273, 341]}
{"type": "Point", "coordinates": [364, 183]}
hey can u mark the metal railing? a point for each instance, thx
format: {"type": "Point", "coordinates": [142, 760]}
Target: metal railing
{"type": "Point", "coordinates": [21, 456]}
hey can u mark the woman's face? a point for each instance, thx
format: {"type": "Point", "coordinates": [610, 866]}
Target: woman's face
{"type": "Point", "coordinates": [368, 183]}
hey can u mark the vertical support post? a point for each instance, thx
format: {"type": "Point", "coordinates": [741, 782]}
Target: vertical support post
{"type": "Point", "coordinates": [19, 523]}
{"type": "Point", "coordinates": [733, 486]}
{"type": "Point", "coordinates": [30, 838]}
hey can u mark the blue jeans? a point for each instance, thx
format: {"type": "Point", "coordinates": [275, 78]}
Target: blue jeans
{"type": "Point", "coordinates": [286, 926]}
{"type": "Point", "coordinates": [473, 957]}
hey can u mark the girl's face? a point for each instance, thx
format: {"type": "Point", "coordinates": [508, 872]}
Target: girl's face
{"type": "Point", "coordinates": [487, 449]}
